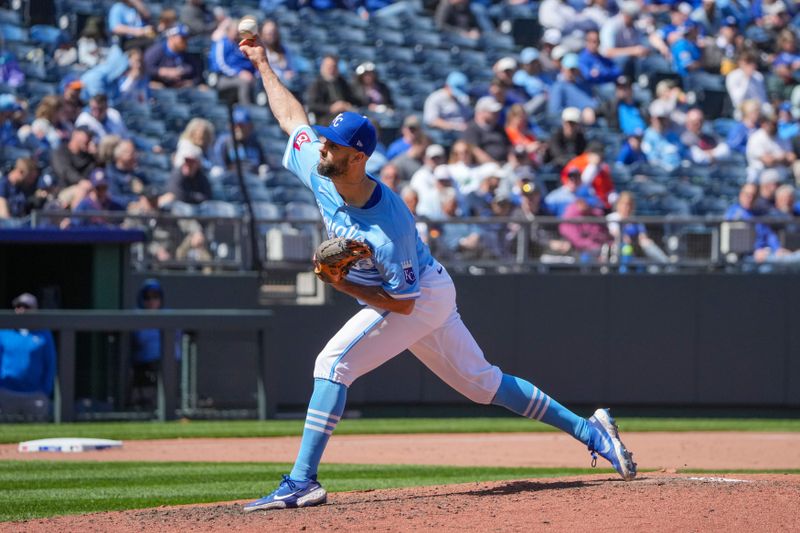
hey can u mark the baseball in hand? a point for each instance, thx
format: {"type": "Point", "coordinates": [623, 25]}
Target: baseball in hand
{"type": "Point", "coordinates": [248, 28]}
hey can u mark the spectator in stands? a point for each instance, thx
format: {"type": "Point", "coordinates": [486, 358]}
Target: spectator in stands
{"type": "Point", "coordinates": [425, 182]}
{"type": "Point", "coordinates": [740, 132]}
{"type": "Point", "coordinates": [786, 203]}
{"type": "Point", "coordinates": [127, 23]}
{"type": "Point", "coordinates": [457, 240]}
{"type": "Point", "coordinates": [703, 148]}
{"type": "Point", "coordinates": [631, 151]}
{"type": "Point", "coordinates": [126, 183]}
{"type": "Point", "coordinates": [660, 143]}
{"type": "Point", "coordinates": [280, 59]}
{"type": "Point", "coordinates": [72, 162]}
{"type": "Point", "coordinates": [194, 248]}
{"type": "Point", "coordinates": [369, 91]}
{"type": "Point", "coordinates": [166, 20]}
{"type": "Point", "coordinates": [530, 78]}
{"type": "Point", "coordinates": [558, 199]}
{"type": "Point", "coordinates": [463, 167]}
{"type": "Point", "coordinates": [504, 71]}
{"type": "Point", "coordinates": [27, 366]}
{"type": "Point", "coordinates": [159, 238]}
{"type": "Point", "coordinates": [667, 34]}
{"type": "Point", "coordinates": [594, 172]}
{"type": "Point", "coordinates": [766, 150]}
{"type": "Point", "coordinates": [551, 38]}
{"type": "Point", "coordinates": [520, 135]}
{"type": "Point", "coordinates": [105, 149]}
{"type": "Point", "coordinates": [51, 109]}
{"type": "Point", "coordinates": [621, 40]}
{"type": "Point", "coordinates": [478, 203]}
{"type": "Point", "coordinates": [329, 94]}
{"type": "Point", "coordinates": [98, 199]}
{"type": "Point", "coordinates": [598, 12]}
{"type": "Point", "coordinates": [457, 16]}
{"type": "Point", "coordinates": [448, 108]}
{"type": "Point", "coordinates": [200, 133]}
{"type": "Point", "coordinates": [410, 161]}
{"type": "Point", "coordinates": [567, 141]}
{"type": "Point", "coordinates": [73, 105]}
{"type": "Point", "coordinates": [687, 55]}
{"type": "Point", "coordinates": [188, 182]}
{"type": "Point", "coordinates": [746, 82]}
{"type": "Point", "coordinates": [411, 199]}
{"type": "Point", "coordinates": [390, 177]}
{"type": "Point", "coordinates": [562, 16]}
{"type": "Point", "coordinates": [595, 68]}
{"type": "Point", "coordinates": [571, 90]}
{"type": "Point", "coordinates": [251, 154]}
{"type": "Point", "coordinates": [543, 239]}
{"type": "Point", "coordinates": [101, 119]}
{"type": "Point", "coordinates": [623, 112]}
{"type": "Point", "coordinates": [410, 130]}
{"type": "Point", "coordinates": [134, 85]}
{"type": "Point", "coordinates": [485, 133]}
{"type": "Point", "coordinates": [631, 234]}
{"type": "Point", "coordinates": [505, 96]}
{"type": "Point", "coordinates": [720, 52]}
{"type": "Point", "coordinates": [9, 107]}
{"type": "Point", "coordinates": [768, 183]}
{"type": "Point", "coordinates": [235, 72]}
{"type": "Point", "coordinates": [20, 190]}
{"type": "Point", "coordinates": [91, 46]}
{"type": "Point", "coordinates": [34, 137]}
{"type": "Point", "coordinates": [196, 16]}
{"type": "Point", "coordinates": [767, 247]}
{"type": "Point", "coordinates": [585, 237]}
{"type": "Point", "coordinates": [168, 64]}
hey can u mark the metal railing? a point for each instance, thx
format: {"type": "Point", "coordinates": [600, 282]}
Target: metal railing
{"type": "Point", "coordinates": [500, 244]}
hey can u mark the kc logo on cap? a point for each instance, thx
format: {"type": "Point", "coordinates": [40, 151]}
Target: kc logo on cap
{"type": "Point", "coordinates": [352, 130]}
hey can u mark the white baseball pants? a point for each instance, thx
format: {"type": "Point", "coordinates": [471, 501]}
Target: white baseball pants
{"type": "Point", "coordinates": [433, 332]}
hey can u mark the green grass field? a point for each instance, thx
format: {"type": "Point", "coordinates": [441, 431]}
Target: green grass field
{"type": "Point", "coordinates": [13, 433]}
{"type": "Point", "coordinates": [34, 489]}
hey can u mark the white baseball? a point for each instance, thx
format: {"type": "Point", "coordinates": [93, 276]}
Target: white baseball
{"type": "Point", "coordinates": [248, 28]}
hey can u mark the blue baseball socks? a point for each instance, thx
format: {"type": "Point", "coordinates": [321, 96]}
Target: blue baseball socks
{"type": "Point", "coordinates": [324, 412]}
{"type": "Point", "coordinates": [523, 398]}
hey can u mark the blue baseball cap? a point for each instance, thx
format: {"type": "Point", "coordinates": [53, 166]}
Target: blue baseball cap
{"type": "Point", "coordinates": [353, 130]}
{"type": "Point", "coordinates": [241, 116]}
{"type": "Point", "coordinates": [528, 55]}
{"type": "Point", "coordinates": [457, 81]}
{"type": "Point", "coordinates": [9, 103]}
{"type": "Point", "coordinates": [98, 178]}
{"type": "Point", "coordinates": [570, 61]}
{"type": "Point", "coordinates": [178, 29]}
{"type": "Point", "coordinates": [730, 21]}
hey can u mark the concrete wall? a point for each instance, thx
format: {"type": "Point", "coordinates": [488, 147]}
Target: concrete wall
{"type": "Point", "coordinates": [638, 340]}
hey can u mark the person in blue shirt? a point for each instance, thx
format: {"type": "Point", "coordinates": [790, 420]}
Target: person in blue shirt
{"type": "Point", "coordinates": [167, 63]}
{"type": "Point", "coordinates": [595, 68]}
{"type": "Point", "coordinates": [533, 80]}
{"type": "Point", "coordinates": [766, 241]}
{"type": "Point", "coordinates": [408, 298]}
{"type": "Point", "coordinates": [21, 190]}
{"type": "Point", "coordinates": [251, 154]}
{"type": "Point", "coordinates": [128, 24]}
{"type": "Point", "coordinates": [234, 70]}
{"type": "Point", "coordinates": [410, 132]}
{"type": "Point", "coordinates": [661, 143]}
{"type": "Point", "coordinates": [686, 54]}
{"type": "Point", "coordinates": [630, 153]}
{"type": "Point", "coordinates": [559, 199]}
{"type": "Point", "coordinates": [570, 90]}
{"type": "Point", "coordinates": [27, 365]}
{"type": "Point", "coordinates": [98, 199]}
{"type": "Point", "coordinates": [741, 131]}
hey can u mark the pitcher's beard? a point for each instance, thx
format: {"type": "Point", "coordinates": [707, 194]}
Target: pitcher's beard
{"type": "Point", "coordinates": [331, 170]}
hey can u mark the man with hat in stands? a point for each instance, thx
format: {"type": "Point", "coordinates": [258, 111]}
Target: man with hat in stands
{"type": "Point", "coordinates": [98, 199]}
{"type": "Point", "coordinates": [485, 132]}
{"type": "Point", "coordinates": [448, 108]}
{"type": "Point", "coordinates": [168, 64]}
{"type": "Point", "coordinates": [250, 152]}
{"type": "Point", "coordinates": [571, 90]}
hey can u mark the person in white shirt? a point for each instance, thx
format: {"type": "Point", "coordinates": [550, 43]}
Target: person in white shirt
{"type": "Point", "coordinates": [101, 119]}
{"type": "Point", "coordinates": [766, 150]}
{"type": "Point", "coordinates": [746, 82]}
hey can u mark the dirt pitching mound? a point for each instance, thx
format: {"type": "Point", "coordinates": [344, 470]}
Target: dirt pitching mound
{"type": "Point", "coordinates": [654, 502]}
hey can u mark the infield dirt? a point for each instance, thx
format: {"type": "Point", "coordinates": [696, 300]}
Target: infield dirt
{"type": "Point", "coordinates": [655, 501]}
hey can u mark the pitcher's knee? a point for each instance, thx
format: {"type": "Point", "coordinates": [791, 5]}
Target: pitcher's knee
{"type": "Point", "coordinates": [334, 368]}
{"type": "Point", "coordinates": [480, 387]}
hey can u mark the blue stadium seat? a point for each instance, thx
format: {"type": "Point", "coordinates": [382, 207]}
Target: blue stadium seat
{"type": "Point", "coordinates": [217, 208]}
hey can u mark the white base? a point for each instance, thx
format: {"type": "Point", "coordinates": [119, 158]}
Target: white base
{"type": "Point", "coordinates": [67, 445]}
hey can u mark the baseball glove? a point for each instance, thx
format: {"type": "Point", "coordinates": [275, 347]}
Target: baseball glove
{"type": "Point", "coordinates": [334, 258]}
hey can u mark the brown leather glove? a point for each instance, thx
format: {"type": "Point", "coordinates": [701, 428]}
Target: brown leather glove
{"type": "Point", "coordinates": [334, 258]}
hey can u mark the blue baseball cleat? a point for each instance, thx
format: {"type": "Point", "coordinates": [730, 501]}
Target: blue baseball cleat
{"type": "Point", "coordinates": [612, 448]}
{"type": "Point", "coordinates": [290, 494]}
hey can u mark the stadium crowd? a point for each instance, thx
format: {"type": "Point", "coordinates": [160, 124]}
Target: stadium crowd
{"type": "Point", "coordinates": [681, 107]}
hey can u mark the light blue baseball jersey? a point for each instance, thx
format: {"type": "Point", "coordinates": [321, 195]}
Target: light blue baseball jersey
{"type": "Point", "coordinates": [388, 227]}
